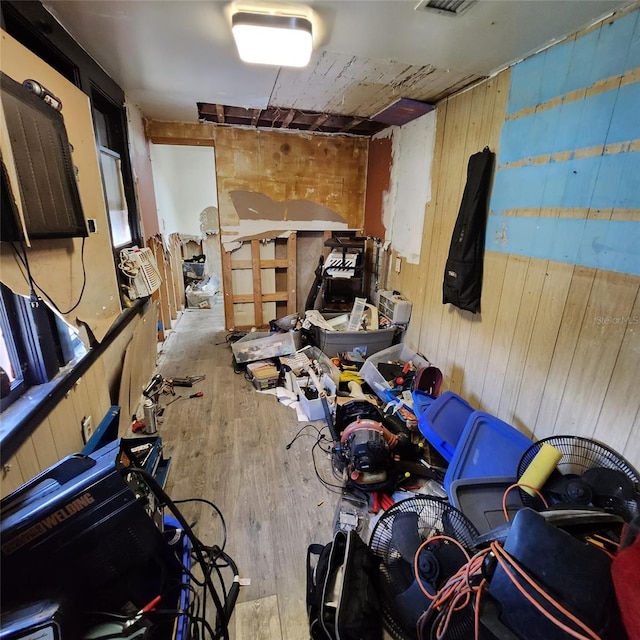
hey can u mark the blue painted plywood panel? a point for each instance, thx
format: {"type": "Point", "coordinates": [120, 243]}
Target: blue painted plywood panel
{"type": "Point", "coordinates": [608, 117]}
{"type": "Point", "coordinates": [611, 50]}
{"type": "Point", "coordinates": [600, 244]}
{"type": "Point", "coordinates": [572, 184]}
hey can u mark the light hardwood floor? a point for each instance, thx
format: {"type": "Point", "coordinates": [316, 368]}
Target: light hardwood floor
{"type": "Point", "coordinates": [230, 447]}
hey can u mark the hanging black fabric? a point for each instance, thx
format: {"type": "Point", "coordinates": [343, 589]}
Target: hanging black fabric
{"type": "Point", "coordinates": [462, 284]}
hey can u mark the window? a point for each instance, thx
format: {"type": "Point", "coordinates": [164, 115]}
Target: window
{"type": "Point", "coordinates": [35, 344]}
{"type": "Point", "coordinates": [113, 155]}
{"type": "Point", "coordinates": [114, 195]}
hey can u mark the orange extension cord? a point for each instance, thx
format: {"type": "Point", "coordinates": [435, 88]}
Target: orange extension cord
{"type": "Point", "coordinates": [467, 585]}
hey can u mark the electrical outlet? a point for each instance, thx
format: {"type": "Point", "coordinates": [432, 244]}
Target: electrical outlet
{"type": "Point", "coordinates": [87, 428]}
{"type": "Point", "coordinates": [398, 265]}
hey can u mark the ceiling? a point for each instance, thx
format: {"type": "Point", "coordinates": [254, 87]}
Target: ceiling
{"type": "Point", "coordinates": [170, 55]}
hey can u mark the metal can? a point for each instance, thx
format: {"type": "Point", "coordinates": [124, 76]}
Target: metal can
{"type": "Point", "coordinates": [150, 417]}
{"type": "Point", "coordinates": [42, 92]}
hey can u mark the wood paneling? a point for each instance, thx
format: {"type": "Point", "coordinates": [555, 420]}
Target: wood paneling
{"type": "Point", "coordinates": [60, 434]}
{"type": "Point", "coordinates": [541, 355]}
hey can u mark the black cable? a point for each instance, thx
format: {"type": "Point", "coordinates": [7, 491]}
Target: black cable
{"type": "Point", "coordinates": [33, 284]}
{"type": "Point", "coordinates": [216, 509]}
{"type": "Point", "coordinates": [299, 434]}
{"type": "Point", "coordinates": [319, 439]}
{"type": "Point", "coordinates": [223, 611]}
{"type": "Point", "coordinates": [324, 483]}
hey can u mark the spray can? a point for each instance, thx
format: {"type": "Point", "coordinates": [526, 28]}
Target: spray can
{"type": "Point", "coordinates": [42, 92]}
{"type": "Point", "coordinates": [150, 417]}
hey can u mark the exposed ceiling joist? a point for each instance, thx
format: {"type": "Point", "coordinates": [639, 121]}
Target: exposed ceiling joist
{"type": "Point", "coordinates": [272, 118]}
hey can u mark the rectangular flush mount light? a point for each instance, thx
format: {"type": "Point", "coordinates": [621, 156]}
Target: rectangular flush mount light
{"type": "Point", "coordinates": [264, 38]}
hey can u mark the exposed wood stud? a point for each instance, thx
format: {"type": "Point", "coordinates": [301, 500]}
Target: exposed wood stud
{"type": "Point", "coordinates": [220, 113]}
{"type": "Point", "coordinates": [256, 117]}
{"type": "Point", "coordinates": [257, 282]}
{"type": "Point", "coordinates": [291, 273]}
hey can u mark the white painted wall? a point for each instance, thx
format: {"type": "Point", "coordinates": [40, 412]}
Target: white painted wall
{"type": "Point", "coordinates": [410, 185]}
{"type": "Point", "coordinates": [184, 181]}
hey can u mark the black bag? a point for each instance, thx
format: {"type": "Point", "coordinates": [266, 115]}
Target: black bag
{"type": "Point", "coordinates": [342, 603]}
{"type": "Point", "coordinates": [462, 283]}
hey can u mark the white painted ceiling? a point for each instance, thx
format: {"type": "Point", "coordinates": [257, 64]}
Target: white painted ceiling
{"type": "Point", "coordinates": [168, 55]}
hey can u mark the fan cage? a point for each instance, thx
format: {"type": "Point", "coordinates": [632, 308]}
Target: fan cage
{"type": "Point", "coordinates": [435, 517]}
{"type": "Point", "coordinates": [578, 455]}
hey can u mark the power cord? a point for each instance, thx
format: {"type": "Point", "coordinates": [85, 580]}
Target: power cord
{"type": "Point", "coordinates": [224, 607]}
{"type": "Point", "coordinates": [320, 438]}
{"type": "Point", "coordinates": [33, 285]}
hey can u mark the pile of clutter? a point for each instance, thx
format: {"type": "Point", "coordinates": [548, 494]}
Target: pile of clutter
{"type": "Point", "coordinates": [477, 530]}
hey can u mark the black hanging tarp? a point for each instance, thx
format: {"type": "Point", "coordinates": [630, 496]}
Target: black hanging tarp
{"type": "Point", "coordinates": [462, 284]}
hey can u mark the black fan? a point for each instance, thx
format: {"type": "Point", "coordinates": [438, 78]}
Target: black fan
{"type": "Point", "coordinates": [395, 540]}
{"type": "Point", "coordinates": [589, 474]}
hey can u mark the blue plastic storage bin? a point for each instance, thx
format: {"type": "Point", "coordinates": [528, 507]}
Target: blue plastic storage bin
{"type": "Point", "coordinates": [441, 421]}
{"type": "Point", "coordinates": [487, 448]}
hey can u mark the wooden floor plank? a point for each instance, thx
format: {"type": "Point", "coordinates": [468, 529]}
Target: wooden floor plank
{"type": "Point", "coordinates": [258, 620]}
{"type": "Point", "coordinates": [230, 446]}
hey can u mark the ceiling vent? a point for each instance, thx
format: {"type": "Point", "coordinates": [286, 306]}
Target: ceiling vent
{"type": "Point", "coordinates": [446, 7]}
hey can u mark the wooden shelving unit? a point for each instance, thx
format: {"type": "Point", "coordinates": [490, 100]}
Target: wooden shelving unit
{"type": "Point", "coordinates": [257, 280]}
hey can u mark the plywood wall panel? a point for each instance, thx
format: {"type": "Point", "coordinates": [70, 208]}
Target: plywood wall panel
{"type": "Point", "coordinates": [44, 445]}
{"type": "Point", "coordinates": [65, 428]}
{"type": "Point", "coordinates": [597, 348]}
{"type": "Point", "coordinates": [615, 421]}
{"type": "Point", "coordinates": [542, 344]}
{"type": "Point", "coordinates": [523, 330]}
{"type": "Point", "coordinates": [57, 265]}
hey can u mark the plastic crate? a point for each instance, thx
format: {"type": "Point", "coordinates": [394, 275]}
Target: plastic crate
{"type": "Point", "coordinates": [262, 346]}
{"type": "Point", "coordinates": [487, 448]}
{"type": "Point", "coordinates": [442, 420]}
{"type": "Point", "coordinates": [397, 352]}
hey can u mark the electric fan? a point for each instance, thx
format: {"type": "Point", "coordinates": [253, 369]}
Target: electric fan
{"type": "Point", "coordinates": [395, 540]}
{"type": "Point", "coordinates": [589, 474]}
{"type": "Point", "coordinates": [139, 265]}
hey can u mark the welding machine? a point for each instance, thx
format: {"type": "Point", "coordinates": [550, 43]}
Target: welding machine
{"type": "Point", "coordinates": [88, 530]}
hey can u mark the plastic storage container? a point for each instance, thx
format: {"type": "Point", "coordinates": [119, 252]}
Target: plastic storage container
{"type": "Point", "coordinates": [263, 345]}
{"type": "Point", "coordinates": [442, 421]}
{"type": "Point", "coordinates": [487, 447]}
{"type": "Point", "coordinates": [313, 409]}
{"type": "Point", "coordinates": [480, 499]}
{"type": "Point", "coordinates": [399, 353]}
{"type": "Point", "coordinates": [335, 342]}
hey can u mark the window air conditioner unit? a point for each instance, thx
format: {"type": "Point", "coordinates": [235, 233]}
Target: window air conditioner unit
{"type": "Point", "coordinates": [139, 265]}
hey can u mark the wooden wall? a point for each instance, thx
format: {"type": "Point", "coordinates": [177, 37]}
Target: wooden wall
{"type": "Point", "coordinates": [126, 366]}
{"type": "Point", "coordinates": [57, 265]}
{"type": "Point", "coordinates": [61, 432]}
{"type": "Point", "coordinates": [556, 347]}
{"type": "Point", "coordinates": [323, 169]}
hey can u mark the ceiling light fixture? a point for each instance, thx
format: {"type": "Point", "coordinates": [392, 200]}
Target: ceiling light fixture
{"type": "Point", "coordinates": [264, 38]}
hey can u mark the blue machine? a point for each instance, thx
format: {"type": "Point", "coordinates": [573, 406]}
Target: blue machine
{"type": "Point", "coordinates": [87, 530]}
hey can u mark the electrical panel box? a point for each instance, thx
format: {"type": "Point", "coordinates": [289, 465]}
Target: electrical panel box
{"type": "Point", "coordinates": [394, 306]}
